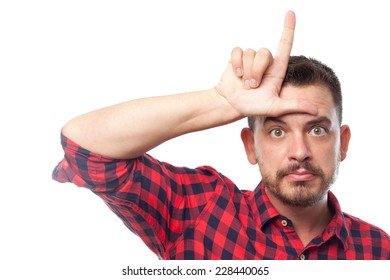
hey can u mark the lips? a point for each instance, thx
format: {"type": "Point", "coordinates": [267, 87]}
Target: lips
{"type": "Point", "coordinates": [300, 175]}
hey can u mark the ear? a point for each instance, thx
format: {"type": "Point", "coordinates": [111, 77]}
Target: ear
{"type": "Point", "coordinates": [345, 136]}
{"type": "Point", "coordinates": [249, 144]}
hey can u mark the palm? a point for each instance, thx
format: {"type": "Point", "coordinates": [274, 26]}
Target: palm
{"type": "Point", "coordinates": [263, 100]}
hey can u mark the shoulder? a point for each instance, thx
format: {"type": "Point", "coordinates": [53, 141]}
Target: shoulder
{"type": "Point", "coordinates": [360, 229]}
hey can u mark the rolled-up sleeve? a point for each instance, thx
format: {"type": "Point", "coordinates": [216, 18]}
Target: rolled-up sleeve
{"type": "Point", "coordinates": [155, 200]}
{"type": "Point", "coordinates": [90, 170]}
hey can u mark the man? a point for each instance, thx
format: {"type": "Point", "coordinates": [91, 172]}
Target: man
{"type": "Point", "coordinates": [295, 136]}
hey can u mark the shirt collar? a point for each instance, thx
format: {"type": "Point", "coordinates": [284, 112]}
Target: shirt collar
{"type": "Point", "coordinates": [264, 211]}
{"type": "Point", "coordinates": [262, 207]}
{"type": "Point", "coordinates": [337, 225]}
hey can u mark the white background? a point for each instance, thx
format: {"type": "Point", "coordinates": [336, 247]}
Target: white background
{"type": "Point", "coordinates": [59, 59]}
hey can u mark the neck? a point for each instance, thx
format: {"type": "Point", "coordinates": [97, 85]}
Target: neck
{"type": "Point", "coordinates": [309, 221]}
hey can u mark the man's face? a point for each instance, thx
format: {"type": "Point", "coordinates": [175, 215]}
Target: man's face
{"type": "Point", "coordinates": [298, 154]}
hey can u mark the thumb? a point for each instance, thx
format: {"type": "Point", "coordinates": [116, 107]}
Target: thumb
{"type": "Point", "coordinates": [289, 106]}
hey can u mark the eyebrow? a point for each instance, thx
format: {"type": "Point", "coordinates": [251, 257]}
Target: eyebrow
{"type": "Point", "coordinates": [320, 120]}
{"type": "Point", "coordinates": [274, 119]}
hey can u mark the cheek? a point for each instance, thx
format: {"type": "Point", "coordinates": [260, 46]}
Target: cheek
{"type": "Point", "coordinates": [327, 156]}
{"type": "Point", "coordinates": [271, 157]}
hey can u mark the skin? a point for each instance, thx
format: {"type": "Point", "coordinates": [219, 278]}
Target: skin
{"type": "Point", "coordinates": [298, 156]}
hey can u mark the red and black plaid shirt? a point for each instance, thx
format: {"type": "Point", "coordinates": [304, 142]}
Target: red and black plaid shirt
{"type": "Point", "coordinates": [183, 213]}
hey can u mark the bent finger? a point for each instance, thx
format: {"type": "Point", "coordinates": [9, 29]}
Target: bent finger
{"type": "Point", "coordinates": [248, 59]}
{"type": "Point", "coordinates": [236, 61]}
{"type": "Point", "coordinates": [262, 61]}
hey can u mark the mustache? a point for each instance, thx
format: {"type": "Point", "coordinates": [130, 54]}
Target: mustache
{"type": "Point", "coordinates": [296, 166]}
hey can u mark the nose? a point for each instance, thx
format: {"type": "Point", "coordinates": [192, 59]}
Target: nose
{"type": "Point", "coordinates": [299, 149]}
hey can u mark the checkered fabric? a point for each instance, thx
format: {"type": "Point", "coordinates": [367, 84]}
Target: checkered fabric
{"type": "Point", "coordinates": [183, 213]}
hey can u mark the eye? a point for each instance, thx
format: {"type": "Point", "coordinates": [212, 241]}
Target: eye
{"type": "Point", "coordinates": [317, 131]}
{"type": "Point", "coordinates": [277, 133]}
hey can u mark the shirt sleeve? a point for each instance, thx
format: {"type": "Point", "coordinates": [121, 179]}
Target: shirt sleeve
{"type": "Point", "coordinates": [155, 200]}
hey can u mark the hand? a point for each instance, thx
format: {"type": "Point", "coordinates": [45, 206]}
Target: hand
{"type": "Point", "coordinates": [253, 80]}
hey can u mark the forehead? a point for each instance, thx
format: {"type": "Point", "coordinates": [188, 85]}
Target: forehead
{"type": "Point", "coordinates": [319, 95]}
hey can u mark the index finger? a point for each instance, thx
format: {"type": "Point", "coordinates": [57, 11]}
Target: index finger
{"type": "Point", "coordinates": [287, 39]}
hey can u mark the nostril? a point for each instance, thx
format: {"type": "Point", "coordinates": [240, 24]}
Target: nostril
{"type": "Point", "coordinates": [300, 152]}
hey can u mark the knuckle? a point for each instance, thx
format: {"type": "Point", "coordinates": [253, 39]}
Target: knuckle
{"type": "Point", "coordinates": [249, 52]}
{"type": "Point", "coordinates": [264, 52]}
{"type": "Point", "coordinates": [264, 56]}
{"type": "Point", "coordinates": [236, 51]}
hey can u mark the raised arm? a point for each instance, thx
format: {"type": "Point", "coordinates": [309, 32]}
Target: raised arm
{"type": "Point", "coordinates": [129, 129]}
{"type": "Point", "coordinates": [250, 85]}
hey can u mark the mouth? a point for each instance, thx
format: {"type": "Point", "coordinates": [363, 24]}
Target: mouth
{"type": "Point", "coordinates": [300, 175]}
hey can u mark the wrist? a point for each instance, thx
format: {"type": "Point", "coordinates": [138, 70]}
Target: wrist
{"type": "Point", "coordinates": [227, 109]}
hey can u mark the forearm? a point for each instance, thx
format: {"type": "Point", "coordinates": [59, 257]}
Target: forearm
{"type": "Point", "coordinates": [129, 129]}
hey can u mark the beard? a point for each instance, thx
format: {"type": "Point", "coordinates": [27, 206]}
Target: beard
{"type": "Point", "coordinates": [299, 194]}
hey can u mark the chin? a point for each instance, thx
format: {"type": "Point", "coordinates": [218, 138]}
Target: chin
{"type": "Point", "coordinates": [301, 194]}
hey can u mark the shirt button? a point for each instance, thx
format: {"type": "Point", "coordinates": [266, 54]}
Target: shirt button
{"type": "Point", "coordinates": [284, 223]}
{"type": "Point", "coordinates": [302, 257]}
